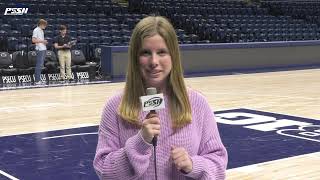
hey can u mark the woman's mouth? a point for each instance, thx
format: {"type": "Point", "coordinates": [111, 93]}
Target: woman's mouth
{"type": "Point", "coordinates": [154, 72]}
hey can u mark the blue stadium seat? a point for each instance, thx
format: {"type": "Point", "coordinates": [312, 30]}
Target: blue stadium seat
{"type": "Point", "coordinates": [72, 33]}
{"type": "Point", "coordinates": [92, 21]}
{"type": "Point", "coordinates": [115, 32]}
{"type": "Point", "coordinates": [12, 42]}
{"type": "Point", "coordinates": [73, 8]}
{"type": "Point", "coordinates": [71, 21]}
{"type": "Point", "coordinates": [94, 39]}
{"type": "Point", "coordinates": [5, 27]}
{"type": "Point", "coordinates": [5, 60]}
{"type": "Point", "coordinates": [125, 32]}
{"type": "Point", "coordinates": [83, 39]}
{"type": "Point", "coordinates": [15, 33]}
{"type": "Point", "coordinates": [72, 27]}
{"type": "Point", "coordinates": [63, 8]}
{"type": "Point", "coordinates": [106, 40]}
{"type": "Point", "coordinates": [82, 33]}
{"type": "Point", "coordinates": [82, 8]}
{"type": "Point", "coordinates": [93, 33]}
{"type": "Point", "coordinates": [93, 27]}
{"type": "Point", "coordinates": [24, 29]}
{"type": "Point", "coordinates": [49, 33]}
{"type": "Point", "coordinates": [20, 62]}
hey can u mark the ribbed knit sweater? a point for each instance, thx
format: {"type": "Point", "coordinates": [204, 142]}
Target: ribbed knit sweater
{"type": "Point", "coordinates": [123, 154]}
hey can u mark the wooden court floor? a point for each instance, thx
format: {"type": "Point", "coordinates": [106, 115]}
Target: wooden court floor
{"type": "Point", "coordinates": [295, 93]}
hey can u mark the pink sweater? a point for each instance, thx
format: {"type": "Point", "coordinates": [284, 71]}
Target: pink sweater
{"type": "Point", "coordinates": [123, 154]}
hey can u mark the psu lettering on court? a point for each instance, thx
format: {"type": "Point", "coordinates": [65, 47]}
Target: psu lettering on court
{"type": "Point", "coordinates": [281, 124]}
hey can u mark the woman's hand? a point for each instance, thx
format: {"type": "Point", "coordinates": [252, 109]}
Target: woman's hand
{"type": "Point", "coordinates": [150, 127]}
{"type": "Point", "coordinates": [181, 159]}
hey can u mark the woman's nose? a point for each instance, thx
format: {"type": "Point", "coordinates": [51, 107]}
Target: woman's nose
{"type": "Point", "coordinates": [154, 59]}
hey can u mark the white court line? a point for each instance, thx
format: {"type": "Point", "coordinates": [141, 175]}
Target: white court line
{"type": "Point", "coordinates": [54, 129]}
{"type": "Point", "coordinates": [68, 135]}
{"type": "Point", "coordinates": [249, 93]}
{"type": "Point", "coordinates": [257, 167]}
{"type": "Point", "coordinates": [15, 108]}
{"type": "Point", "coordinates": [8, 175]}
{"type": "Point", "coordinates": [84, 125]}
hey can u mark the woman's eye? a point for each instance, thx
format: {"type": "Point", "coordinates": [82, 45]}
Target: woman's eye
{"type": "Point", "coordinates": [162, 52]}
{"type": "Point", "coordinates": [144, 53]}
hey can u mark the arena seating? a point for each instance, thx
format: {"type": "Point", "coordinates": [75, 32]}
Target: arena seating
{"type": "Point", "coordinates": [305, 10]}
{"type": "Point", "coordinates": [6, 64]}
{"type": "Point", "coordinates": [20, 61]}
{"type": "Point", "coordinates": [233, 21]}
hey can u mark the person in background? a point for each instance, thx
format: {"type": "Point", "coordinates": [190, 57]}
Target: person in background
{"type": "Point", "coordinates": [189, 145]}
{"type": "Point", "coordinates": [38, 39]}
{"type": "Point", "coordinates": [62, 45]}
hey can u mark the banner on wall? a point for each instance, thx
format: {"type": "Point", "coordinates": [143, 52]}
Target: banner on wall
{"type": "Point", "coordinates": [21, 79]}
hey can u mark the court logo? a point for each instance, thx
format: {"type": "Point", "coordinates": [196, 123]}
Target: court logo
{"type": "Point", "coordinates": [284, 125]}
{"type": "Point", "coordinates": [310, 132]}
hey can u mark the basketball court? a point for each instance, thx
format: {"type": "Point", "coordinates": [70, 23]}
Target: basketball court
{"type": "Point", "coordinates": [269, 123]}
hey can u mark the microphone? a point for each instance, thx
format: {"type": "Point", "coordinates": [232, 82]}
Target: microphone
{"type": "Point", "coordinates": [151, 102]}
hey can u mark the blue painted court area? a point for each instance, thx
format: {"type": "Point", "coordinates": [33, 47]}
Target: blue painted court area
{"type": "Point", "coordinates": [250, 137]}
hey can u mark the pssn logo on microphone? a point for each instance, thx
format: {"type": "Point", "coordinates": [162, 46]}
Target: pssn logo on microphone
{"type": "Point", "coordinates": [152, 102]}
{"type": "Point", "coordinates": [16, 11]}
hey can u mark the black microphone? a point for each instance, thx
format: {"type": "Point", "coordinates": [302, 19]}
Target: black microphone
{"type": "Point", "coordinates": [152, 102]}
{"type": "Point", "coordinates": [152, 91]}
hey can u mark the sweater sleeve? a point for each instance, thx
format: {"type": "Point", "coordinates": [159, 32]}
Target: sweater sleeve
{"type": "Point", "coordinates": [112, 161]}
{"type": "Point", "coordinates": [211, 161]}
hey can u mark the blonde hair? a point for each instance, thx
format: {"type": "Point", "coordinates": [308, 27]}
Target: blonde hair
{"type": "Point", "coordinates": [42, 22]}
{"type": "Point", "coordinates": [179, 105]}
